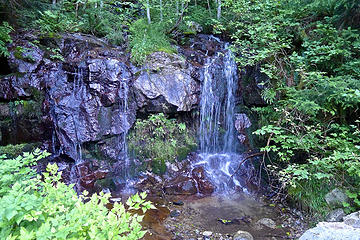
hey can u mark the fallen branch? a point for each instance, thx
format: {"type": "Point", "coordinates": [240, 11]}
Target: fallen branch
{"type": "Point", "coordinates": [245, 159]}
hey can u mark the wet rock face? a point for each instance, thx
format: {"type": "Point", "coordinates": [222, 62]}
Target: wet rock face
{"type": "Point", "coordinates": [83, 97]}
{"type": "Point", "coordinates": [86, 175]}
{"type": "Point", "coordinates": [242, 122]}
{"type": "Point", "coordinates": [251, 86]}
{"type": "Point", "coordinates": [82, 109]}
{"type": "Point", "coordinates": [204, 185]}
{"type": "Point", "coordinates": [181, 185]}
{"type": "Point", "coordinates": [187, 180]}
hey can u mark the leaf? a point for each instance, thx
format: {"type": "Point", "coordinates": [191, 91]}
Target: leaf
{"type": "Point", "coordinates": [10, 213]}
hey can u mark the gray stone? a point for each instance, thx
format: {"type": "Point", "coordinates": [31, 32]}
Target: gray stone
{"type": "Point", "coordinates": [207, 233]}
{"type": "Point", "coordinates": [165, 84]}
{"type": "Point", "coordinates": [267, 222]}
{"type": "Point", "coordinates": [242, 122]}
{"type": "Point", "coordinates": [175, 213]}
{"type": "Point", "coordinates": [331, 231]}
{"type": "Point", "coordinates": [335, 215]}
{"type": "Point", "coordinates": [336, 197]}
{"type": "Point", "coordinates": [353, 219]}
{"type": "Point", "coordinates": [242, 235]}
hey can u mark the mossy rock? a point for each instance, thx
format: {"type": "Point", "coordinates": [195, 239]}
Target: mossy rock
{"type": "Point", "coordinates": [183, 152]}
{"type": "Point", "coordinates": [158, 166]}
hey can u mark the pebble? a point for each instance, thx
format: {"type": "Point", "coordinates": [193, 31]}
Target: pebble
{"type": "Point", "coordinates": [178, 203]}
{"type": "Point", "coordinates": [207, 233]}
{"type": "Point", "coordinates": [175, 213]}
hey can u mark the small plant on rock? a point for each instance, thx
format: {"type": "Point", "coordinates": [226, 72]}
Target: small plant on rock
{"type": "Point", "coordinates": [160, 140]}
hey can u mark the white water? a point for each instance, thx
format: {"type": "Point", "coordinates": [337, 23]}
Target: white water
{"type": "Point", "coordinates": [217, 130]}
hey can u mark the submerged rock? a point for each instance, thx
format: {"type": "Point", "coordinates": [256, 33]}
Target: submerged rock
{"type": "Point", "coordinates": [267, 222]}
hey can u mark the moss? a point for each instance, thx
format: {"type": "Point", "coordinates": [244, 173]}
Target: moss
{"type": "Point", "coordinates": [23, 53]}
{"type": "Point", "coordinates": [183, 152]}
{"type": "Point", "coordinates": [12, 151]}
{"type": "Point", "coordinates": [161, 140]}
{"type": "Point", "coordinates": [158, 166]}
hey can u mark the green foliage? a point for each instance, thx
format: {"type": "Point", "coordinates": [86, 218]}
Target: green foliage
{"type": "Point", "coordinates": [17, 169]}
{"type": "Point", "coordinates": [49, 209]}
{"type": "Point", "coordinates": [12, 151]}
{"type": "Point", "coordinates": [161, 140]}
{"type": "Point", "coordinates": [313, 92]}
{"type": "Point", "coordinates": [53, 21]}
{"type": "Point", "coordinates": [5, 30]}
{"type": "Point", "coordinates": [146, 39]}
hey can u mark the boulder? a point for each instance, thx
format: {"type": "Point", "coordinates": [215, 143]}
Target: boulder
{"type": "Point", "coordinates": [204, 185]}
{"type": "Point", "coordinates": [336, 197]}
{"type": "Point", "coordinates": [267, 222]}
{"type": "Point", "coordinates": [335, 215]}
{"type": "Point", "coordinates": [165, 84]}
{"type": "Point", "coordinates": [331, 231]}
{"type": "Point", "coordinates": [353, 219]}
{"type": "Point", "coordinates": [242, 235]}
{"type": "Point", "coordinates": [181, 185]}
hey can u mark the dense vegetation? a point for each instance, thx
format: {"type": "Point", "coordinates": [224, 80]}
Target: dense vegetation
{"type": "Point", "coordinates": [42, 207]}
{"type": "Point", "coordinates": [160, 140]}
{"type": "Point", "coordinates": [308, 49]}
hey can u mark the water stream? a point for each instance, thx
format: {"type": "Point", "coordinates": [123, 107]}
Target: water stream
{"type": "Point", "coordinates": [123, 111]}
{"type": "Point", "coordinates": [217, 130]}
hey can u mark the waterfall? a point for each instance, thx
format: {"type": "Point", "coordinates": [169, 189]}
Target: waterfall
{"type": "Point", "coordinates": [217, 129]}
{"type": "Point", "coordinates": [210, 109]}
{"type": "Point", "coordinates": [77, 93]}
{"type": "Point", "coordinates": [217, 98]}
{"type": "Point", "coordinates": [231, 81]}
{"type": "Point", "coordinates": [123, 111]}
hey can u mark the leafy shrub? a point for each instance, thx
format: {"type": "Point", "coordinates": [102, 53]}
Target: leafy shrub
{"type": "Point", "coordinates": [313, 91]}
{"type": "Point", "coordinates": [12, 151]}
{"type": "Point", "coordinates": [54, 21]}
{"type": "Point", "coordinates": [161, 140]}
{"type": "Point", "coordinates": [48, 209]}
{"type": "Point", "coordinates": [5, 38]}
{"type": "Point", "coordinates": [146, 39]}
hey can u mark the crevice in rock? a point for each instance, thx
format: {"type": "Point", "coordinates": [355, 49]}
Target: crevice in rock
{"type": "Point", "coordinates": [4, 66]}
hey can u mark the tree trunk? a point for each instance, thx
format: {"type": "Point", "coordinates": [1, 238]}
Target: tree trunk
{"type": "Point", "coordinates": [219, 10]}
{"type": "Point", "coordinates": [53, 3]}
{"type": "Point", "coordinates": [148, 11]}
{"type": "Point", "coordinates": [161, 11]}
{"type": "Point", "coordinates": [177, 7]}
{"type": "Point", "coordinates": [208, 3]}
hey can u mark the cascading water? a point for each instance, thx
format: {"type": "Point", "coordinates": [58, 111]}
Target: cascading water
{"type": "Point", "coordinates": [218, 97]}
{"type": "Point", "coordinates": [123, 111]}
{"type": "Point", "coordinates": [78, 91]}
{"type": "Point", "coordinates": [217, 130]}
